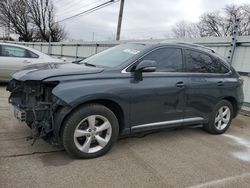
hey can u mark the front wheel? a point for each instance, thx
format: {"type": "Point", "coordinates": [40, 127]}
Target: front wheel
{"type": "Point", "coordinates": [220, 118]}
{"type": "Point", "coordinates": [90, 131]}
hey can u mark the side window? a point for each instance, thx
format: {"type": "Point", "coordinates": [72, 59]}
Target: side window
{"type": "Point", "coordinates": [198, 62]}
{"type": "Point", "coordinates": [202, 63]}
{"type": "Point", "coordinates": [221, 68]}
{"type": "Point", "coordinates": [167, 59]}
{"type": "Point", "coordinates": [11, 51]}
{"type": "Point", "coordinates": [32, 54]}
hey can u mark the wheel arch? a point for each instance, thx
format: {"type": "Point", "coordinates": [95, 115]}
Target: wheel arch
{"type": "Point", "coordinates": [114, 106]}
{"type": "Point", "coordinates": [234, 103]}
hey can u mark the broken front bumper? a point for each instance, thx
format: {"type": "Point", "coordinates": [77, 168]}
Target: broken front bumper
{"type": "Point", "coordinates": [19, 114]}
{"type": "Point", "coordinates": [34, 104]}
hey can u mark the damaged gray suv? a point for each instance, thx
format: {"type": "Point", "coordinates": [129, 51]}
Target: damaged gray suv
{"type": "Point", "coordinates": [85, 106]}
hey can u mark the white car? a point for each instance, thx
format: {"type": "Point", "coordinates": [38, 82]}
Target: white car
{"type": "Point", "coordinates": [14, 57]}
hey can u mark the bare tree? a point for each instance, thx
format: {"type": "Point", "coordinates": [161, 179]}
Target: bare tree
{"type": "Point", "coordinates": [216, 23]}
{"type": "Point", "coordinates": [221, 23]}
{"type": "Point", "coordinates": [42, 15]}
{"type": "Point", "coordinates": [244, 17]}
{"type": "Point", "coordinates": [184, 29]}
{"type": "Point", "coordinates": [57, 32]}
{"type": "Point", "coordinates": [33, 20]}
{"type": "Point", "coordinates": [14, 15]}
{"type": "Point", "coordinates": [211, 24]}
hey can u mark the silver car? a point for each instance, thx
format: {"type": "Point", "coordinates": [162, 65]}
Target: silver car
{"type": "Point", "coordinates": [14, 57]}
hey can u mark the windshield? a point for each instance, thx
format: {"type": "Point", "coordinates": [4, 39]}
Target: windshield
{"type": "Point", "coordinates": [115, 56]}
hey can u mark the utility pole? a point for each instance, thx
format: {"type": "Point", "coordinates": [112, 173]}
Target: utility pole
{"type": "Point", "coordinates": [50, 38]}
{"type": "Point", "coordinates": [50, 47]}
{"type": "Point", "coordinates": [118, 32]}
{"type": "Point", "coordinates": [93, 36]}
{"type": "Point", "coordinates": [8, 31]}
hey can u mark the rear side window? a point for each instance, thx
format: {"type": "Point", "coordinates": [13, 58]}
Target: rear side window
{"type": "Point", "coordinates": [32, 54]}
{"type": "Point", "coordinates": [12, 51]}
{"type": "Point", "coordinates": [167, 59]}
{"type": "Point", "coordinates": [221, 68]}
{"type": "Point", "coordinates": [198, 62]}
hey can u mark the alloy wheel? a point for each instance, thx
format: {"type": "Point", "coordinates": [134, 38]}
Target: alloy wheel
{"type": "Point", "coordinates": [92, 133]}
{"type": "Point", "coordinates": [222, 117]}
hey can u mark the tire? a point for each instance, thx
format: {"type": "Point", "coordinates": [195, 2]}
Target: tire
{"type": "Point", "coordinates": [218, 122]}
{"type": "Point", "coordinates": [90, 131]}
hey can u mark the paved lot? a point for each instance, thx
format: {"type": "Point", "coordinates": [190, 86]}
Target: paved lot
{"type": "Point", "coordinates": [178, 158]}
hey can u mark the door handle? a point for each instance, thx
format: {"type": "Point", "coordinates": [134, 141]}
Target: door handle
{"type": "Point", "coordinates": [220, 83]}
{"type": "Point", "coordinates": [180, 84]}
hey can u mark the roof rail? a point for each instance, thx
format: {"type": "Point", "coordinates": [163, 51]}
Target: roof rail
{"type": "Point", "coordinates": [189, 44]}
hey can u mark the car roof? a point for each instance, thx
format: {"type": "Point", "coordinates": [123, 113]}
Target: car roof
{"type": "Point", "coordinates": [178, 44]}
{"type": "Point", "coordinates": [189, 45]}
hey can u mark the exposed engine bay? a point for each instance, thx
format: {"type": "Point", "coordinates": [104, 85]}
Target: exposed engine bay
{"type": "Point", "coordinates": [35, 105]}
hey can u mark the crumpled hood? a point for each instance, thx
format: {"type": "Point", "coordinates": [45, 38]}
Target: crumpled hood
{"type": "Point", "coordinates": [47, 70]}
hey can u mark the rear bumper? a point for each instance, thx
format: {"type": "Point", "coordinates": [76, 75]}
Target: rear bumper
{"type": "Point", "coordinates": [239, 107]}
{"type": "Point", "coordinates": [239, 99]}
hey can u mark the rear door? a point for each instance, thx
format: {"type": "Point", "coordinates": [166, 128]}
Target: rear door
{"type": "Point", "coordinates": [14, 58]}
{"type": "Point", "coordinates": [205, 78]}
{"type": "Point", "coordinates": [158, 100]}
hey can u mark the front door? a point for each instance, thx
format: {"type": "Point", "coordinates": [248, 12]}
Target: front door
{"type": "Point", "coordinates": [12, 59]}
{"type": "Point", "coordinates": [158, 100]}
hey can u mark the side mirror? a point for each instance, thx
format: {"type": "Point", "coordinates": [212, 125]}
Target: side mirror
{"type": "Point", "coordinates": [76, 61]}
{"type": "Point", "coordinates": [144, 66]}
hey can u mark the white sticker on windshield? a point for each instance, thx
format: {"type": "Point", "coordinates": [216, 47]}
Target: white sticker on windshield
{"type": "Point", "coordinates": [131, 51]}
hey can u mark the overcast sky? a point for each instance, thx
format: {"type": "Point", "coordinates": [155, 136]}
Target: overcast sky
{"type": "Point", "coordinates": [142, 19]}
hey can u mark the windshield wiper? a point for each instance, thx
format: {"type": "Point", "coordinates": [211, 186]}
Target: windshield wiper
{"type": "Point", "coordinates": [89, 64]}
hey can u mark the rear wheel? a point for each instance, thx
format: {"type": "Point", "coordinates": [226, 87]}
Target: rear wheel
{"type": "Point", "coordinates": [90, 131]}
{"type": "Point", "coordinates": [220, 118]}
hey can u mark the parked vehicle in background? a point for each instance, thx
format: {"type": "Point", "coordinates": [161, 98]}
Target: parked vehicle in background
{"type": "Point", "coordinates": [15, 57]}
{"type": "Point", "coordinates": [126, 89]}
